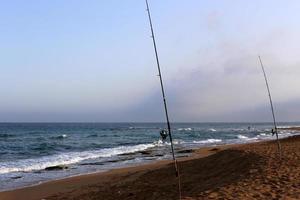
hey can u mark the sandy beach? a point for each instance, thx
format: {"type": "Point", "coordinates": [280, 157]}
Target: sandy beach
{"type": "Point", "coordinates": [248, 171]}
{"type": "Point", "coordinates": [149, 100]}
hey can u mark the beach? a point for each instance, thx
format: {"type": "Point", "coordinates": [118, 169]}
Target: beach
{"type": "Point", "coordinates": [149, 100]}
{"type": "Point", "coordinates": [35, 153]}
{"type": "Point", "coordinates": [244, 171]}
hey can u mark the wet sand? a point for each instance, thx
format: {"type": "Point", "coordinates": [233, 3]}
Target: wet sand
{"type": "Point", "coordinates": [248, 171]}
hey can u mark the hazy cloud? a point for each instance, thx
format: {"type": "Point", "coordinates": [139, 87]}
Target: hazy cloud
{"type": "Point", "coordinates": [227, 84]}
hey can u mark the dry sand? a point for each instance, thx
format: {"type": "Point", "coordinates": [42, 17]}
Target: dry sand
{"type": "Point", "coordinates": [250, 171]}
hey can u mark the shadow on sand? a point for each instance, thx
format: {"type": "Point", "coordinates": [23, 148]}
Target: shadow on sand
{"type": "Point", "coordinates": [197, 176]}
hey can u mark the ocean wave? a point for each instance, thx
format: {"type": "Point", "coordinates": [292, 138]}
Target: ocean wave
{"type": "Point", "coordinates": [143, 127]}
{"type": "Point", "coordinates": [6, 135]}
{"type": "Point", "coordinates": [184, 129]}
{"type": "Point", "coordinates": [289, 128]}
{"type": "Point", "coordinates": [67, 158]}
{"type": "Point", "coordinates": [60, 136]}
{"type": "Point", "coordinates": [284, 133]}
{"type": "Point", "coordinates": [242, 137]}
{"type": "Point", "coordinates": [92, 135]}
{"type": "Point", "coordinates": [207, 141]}
{"type": "Point", "coordinates": [160, 142]}
{"type": "Point", "coordinates": [245, 138]}
{"type": "Point", "coordinates": [283, 127]}
{"type": "Point", "coordinates": [238, 129]}
{"type": "Point", "coordinates": [212, 130]}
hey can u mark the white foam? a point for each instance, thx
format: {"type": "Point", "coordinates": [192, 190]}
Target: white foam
{"type": "Point", "coordinates": [160, 142]}
{"type": "Point", "coordinates": [67, 158]}
{"type": "Point", "coordinates": [245, 138]}
{"type": "Point", "coordinates": [238, 129]}
{"type": "Point", "coordinates": [184, 129]}
{"type": "Point", "coordinates": [242, 137]}
{"type": "Point", "coordinates": [283, 127]}
{"type": "Point", "coordinates": [207, 141]}
{"type": "Point", "coordinates": [212, 130]}
{"type": "Point", "coordinates": [60, 136]}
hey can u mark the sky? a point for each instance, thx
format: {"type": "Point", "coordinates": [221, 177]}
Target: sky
{"type": "Point", "coordinates": [93, 61]}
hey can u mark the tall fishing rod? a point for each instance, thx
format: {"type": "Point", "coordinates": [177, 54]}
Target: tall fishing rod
{"type": "Point", "coordinates": [164, 100]}
{"type": "Point", "coordinates": [162, 86]}
{"type": "Point", "coordinates": [272, 108]}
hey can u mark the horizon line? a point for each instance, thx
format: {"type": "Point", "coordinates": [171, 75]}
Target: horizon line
{"type": "Point", "coordinates": [146, 122]}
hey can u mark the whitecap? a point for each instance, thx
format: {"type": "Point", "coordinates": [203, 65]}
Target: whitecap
{"type": "Point", "coordinates": [41, 163]}
{"type": "Point", "coordinates": [184, 129]}
{"type": "Point", "coordinates": [207, 141]}
{"type": "Point", "coordinates": [60, 136]}
{"type": "Point", "coordinates": [242, 137]}
{"type": "Point", "coordinates": [245, 138]}
{"type": "Point", "coordinates": [284, 127]}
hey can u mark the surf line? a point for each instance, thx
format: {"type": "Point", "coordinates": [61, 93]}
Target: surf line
{"type": "Point", "coordinates": [274, 131]}
{"type": "Point", "coordinates": [164, 98]}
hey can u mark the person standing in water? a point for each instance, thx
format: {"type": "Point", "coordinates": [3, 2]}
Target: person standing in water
{"type": "Point", "coordinates": [163, 134]}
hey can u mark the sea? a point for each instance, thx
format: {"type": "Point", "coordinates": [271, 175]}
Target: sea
{"type": "Point", "coordinates": [30, 152]}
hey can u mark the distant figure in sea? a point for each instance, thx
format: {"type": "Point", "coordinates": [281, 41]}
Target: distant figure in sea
{"type": "Point", "coordinates": [163, 134]}
{"type": "Point", "coordinates": [273, 131]}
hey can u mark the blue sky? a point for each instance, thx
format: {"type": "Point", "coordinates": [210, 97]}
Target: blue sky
{"type": "Point", "coordinates": [94, 60]}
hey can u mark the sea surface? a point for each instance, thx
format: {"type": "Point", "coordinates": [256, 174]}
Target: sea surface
{"type": "Point", "coordinates": [28, 149]}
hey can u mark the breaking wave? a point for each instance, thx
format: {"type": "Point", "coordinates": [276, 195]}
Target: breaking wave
{"type": "Point", "coordinates": [41, 163]}
{"type": "Point", "coordinates": [242, 137]}
{"type": "Point", "coordinates": [60, 137]}
{"type": "Point", "coordinates": [184, 129]}
{"type": "Point", "coordinates": [208, 141]}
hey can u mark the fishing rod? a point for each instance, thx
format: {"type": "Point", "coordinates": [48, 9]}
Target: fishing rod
{"type": "Point", "coordinates": [164, 99]}
{"type": "Point", "coordinates": [275, 131]}
{"type": "Point", "coordinates": [162, 86]}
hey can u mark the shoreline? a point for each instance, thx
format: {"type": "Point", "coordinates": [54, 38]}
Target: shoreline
{"type": "Point", "coordinates": [55, 189]}
{"type": "Point", "coordinates": [182, 155]}
{"type": "Point", "coordinates": [48, 188]}
{"type": "Point", "coordinates": [58, 164]}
